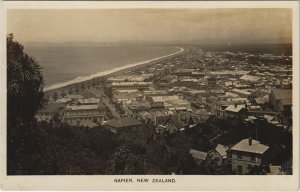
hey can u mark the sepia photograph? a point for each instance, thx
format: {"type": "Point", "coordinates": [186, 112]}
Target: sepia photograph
{"type": "Point", "coordinates": [160, 92]}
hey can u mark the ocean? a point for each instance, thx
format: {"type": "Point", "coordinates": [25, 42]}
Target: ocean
{"type": "Point", "coordinates": [61, 63]}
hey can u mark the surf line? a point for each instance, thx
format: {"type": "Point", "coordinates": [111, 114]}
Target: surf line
{"type": "Point", "coordinates": [100, 74]}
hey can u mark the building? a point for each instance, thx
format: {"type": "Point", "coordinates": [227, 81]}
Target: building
{"type": "Point", "coordinates": [189, 83]}
{"type": "Point", "coordinates": [126, 78]}
{"type": "Point", "coordinates": [116, 125]}
{"type": "Point", "coordinates": [219, 154]}
{"type": "Point", "coordinates": [235, 111]}
{"type": "Point", "coordinates": [63, 100]}
{"type": "Point", "coordinates": [173, 102]}
{"type": "Point", "coordinates": [211, 82]}
{"type": "Point", "coordinates": [131, 85]}
{"type": "Point", "coordinates": [89, 101]}
{"type": "Point", "coordinates": [275, 170]}
{"type": "Point", "coordinates": [198, 156]}
{"type": "Point", "coordinates": [137, 107]}
{"type": "Point", "coordinates": [126, 95]}
{"type": "Point", "coordinates": [246, 154]}
{"type": "Point", "coordinates": [49, 111]}
{"type": "Point", "coordinates": [170, 125]}
{"type": "Point", "coordinates": [75, 114]}
{"type": "Point", "coordinates": [281, 99]}
{"type": "Point", "coordinates": [159, 117]}
{"type": "Point", "coordinates": [157, 106]}
{"type": "Point", "coordinates": [88, 124]}
{"type": "Point", "coordinates": [250, 78]}
{"type": "Point", "coordinates": [184, 72]}
{"type": "Point", "coordinates": [241, 92]}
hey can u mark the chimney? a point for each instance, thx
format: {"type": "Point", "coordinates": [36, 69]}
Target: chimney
{"type": "Point", "coordinates": [250, 141]}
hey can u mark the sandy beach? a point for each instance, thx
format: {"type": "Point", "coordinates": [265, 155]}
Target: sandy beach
{"type": "Point", "coordinates": [108, 72]}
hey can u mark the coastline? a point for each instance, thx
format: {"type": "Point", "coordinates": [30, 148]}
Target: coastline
{"type": "Point", "coordinates": [108, 72]}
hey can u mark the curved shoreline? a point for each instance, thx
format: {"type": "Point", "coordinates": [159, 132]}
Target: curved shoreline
{"type": "Point", "coordinates": [108, 72]}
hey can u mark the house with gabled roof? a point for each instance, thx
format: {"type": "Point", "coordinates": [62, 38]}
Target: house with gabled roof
{"type": "Point", "coordinates": [246, 154]}
{"type": "Point", "coordinates": [236, 111]}
{"type": "Point", "coordinates": [219, 154]}
{"type": "Point", "coordinates": [169, 126]}
{"type": "Point", "coordinates": [173, 125]}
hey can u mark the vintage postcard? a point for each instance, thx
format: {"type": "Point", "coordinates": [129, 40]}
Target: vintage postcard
{"type": "Point", "coordinates": [166, 95]}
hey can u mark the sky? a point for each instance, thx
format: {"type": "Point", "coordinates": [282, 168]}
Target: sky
{"type": "Point", "coordinates": [155, 25]}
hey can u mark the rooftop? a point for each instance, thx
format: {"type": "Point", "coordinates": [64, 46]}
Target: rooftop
{"type": "Point", "coordinates": [157, 104]}
{"type": "Point", "coordinates": [130, 83]}
{"type": "Point", "coordinates": [250, 78]}
{"type": "Point", "coordinates": [89, 100]}
{"type": "Point", "coordinates": [165, 98]}
{"type": "Point", "coordinates": [126, 90]}
{"type": "Point", "coordinates": [241, 91]}
{"type": "Point", "coordinates": [198, 154]}
{"type": "Point", "coordinates": [175, 122]}
{"type": "Point", "coordinates": [283, 94]}
{"type": "Point", "coordinates": [123, 122]}
{"type": "Point", "coordinates": [233, 108]}
{"type": "Point", "coordinates": [221, 149]}
{"type": "Point", "coordinates": [53, 107]}
{"type": "Point", "coordinates": [84, 107]}
{"type": "Point", "coordinates": [255, 147]}
{"type": "Point", "coordinates": [88, 124]}
{"type": "Point", "coordinates": [275, 170]}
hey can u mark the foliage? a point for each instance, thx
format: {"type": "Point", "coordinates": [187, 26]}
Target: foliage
{"type": "Point", "coordinates": [24, 98]}
{"type": "Point", "coordinates": [24, 84]}
{"type": "Point", "coordinates": [55, 95]}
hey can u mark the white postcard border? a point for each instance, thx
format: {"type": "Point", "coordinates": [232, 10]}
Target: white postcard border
{"type": "Point", "coordinates": [185, 183]}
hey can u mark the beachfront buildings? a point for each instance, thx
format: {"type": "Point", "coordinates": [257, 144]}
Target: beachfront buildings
{"type": "Point", "coordinates": [130, 85]}
{"type": "Point", "coordinates": [75, 114]}
{"type": "Point", "coordinates": [246, 154]}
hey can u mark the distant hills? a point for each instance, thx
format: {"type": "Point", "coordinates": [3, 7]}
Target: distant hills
{"type": "Point", "coordinates": [207, 41]}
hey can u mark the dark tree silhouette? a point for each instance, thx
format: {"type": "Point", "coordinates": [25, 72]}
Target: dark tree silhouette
{"type": "Point", "coordinates": [70, 91]}
{"type": "Point", "coordinates": [82, 87]}
{"type": "Point", "coordinates": [55, 95]}
{"type": "Point", "coordinates": [63, 94]}
{"type": "Point", "coordinates": [24, 98]}
{"type": "Point", "coordinates": [24, 83]}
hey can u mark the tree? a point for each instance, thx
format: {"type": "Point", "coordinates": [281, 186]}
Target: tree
{"type": "Point", "coordinates": [70, 91]}
{"type": "Point", "coordinates": [126, 162]}
{"type": "Point", "coordinates": [24, 98]}
{"type": "Point", "coordinates": [258, 170]}
{"type": "Point", "coordinates": [63, 94]}
{"type": "Point", "coordinates": [55, 95]}
{"type": "Point", "coordinates": [77, 89]}
{"type": "Point", "coordinates": [82, 87]}
{"type": "Point", "coordinates": [94, 82]}
{"type": "Point", "coordinates": [24, 83]}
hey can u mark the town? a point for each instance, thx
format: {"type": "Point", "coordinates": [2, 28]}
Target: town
{"type": "Point", "coordinates": [231, 110]}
